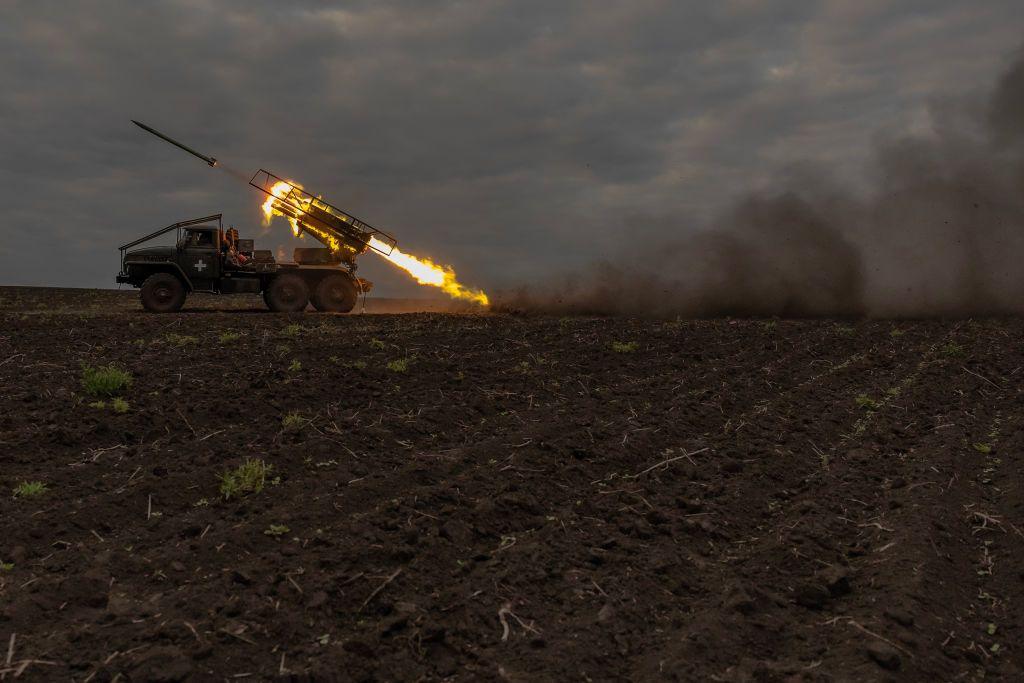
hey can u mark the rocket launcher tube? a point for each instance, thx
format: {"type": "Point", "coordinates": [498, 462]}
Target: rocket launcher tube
{"type": "Point", "coordinates": [320, 219]}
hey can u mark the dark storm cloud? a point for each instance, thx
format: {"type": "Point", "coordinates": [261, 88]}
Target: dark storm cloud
{"type": "Point", "coordinates": [511, 139]}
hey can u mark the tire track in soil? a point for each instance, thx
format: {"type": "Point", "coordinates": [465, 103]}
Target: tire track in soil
{"type": "Point", "coordinates": [662, 569]}
{"type": "Point", "coordinates": [932, 560]}
{"type": "Point", "coordinates": [969, 544]}
{"type": "Point", "coordinates": [741, 606]}
{"type": "Point", "coordinates": [865, 491]}
{"type": "Point", "coordinates": [859, 628]}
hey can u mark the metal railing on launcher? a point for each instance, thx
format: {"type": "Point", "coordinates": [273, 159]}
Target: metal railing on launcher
{"type": "Point", "coordinates": [300, 202]}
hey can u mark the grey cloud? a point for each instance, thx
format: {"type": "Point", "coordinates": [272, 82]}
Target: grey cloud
{"type": "Point", "coordinates": [510, 139]}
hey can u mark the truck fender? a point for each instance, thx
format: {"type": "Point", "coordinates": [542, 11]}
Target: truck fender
{"type": "Point", "coordinates": [163, 266]}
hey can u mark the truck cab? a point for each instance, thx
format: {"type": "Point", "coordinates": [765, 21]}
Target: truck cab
{"type": "Point", "coordinates": [199, 256]}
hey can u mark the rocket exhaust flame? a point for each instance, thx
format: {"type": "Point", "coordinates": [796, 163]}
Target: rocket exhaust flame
{"type": "Point", "coordinates": [281, 190]}
{"type": "Point", "coordinates": [426, 272]}
{"type": "Point", "coordinates": [423, 270]}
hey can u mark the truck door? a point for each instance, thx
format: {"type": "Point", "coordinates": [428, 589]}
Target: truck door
{"type": "Point", "coordinates": [199, 256]}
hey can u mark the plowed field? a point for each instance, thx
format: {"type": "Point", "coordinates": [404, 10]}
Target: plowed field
{"type": "Point", "coordinates": [507, 497]}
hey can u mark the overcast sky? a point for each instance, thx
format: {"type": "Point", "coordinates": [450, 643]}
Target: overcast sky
{"type": "Point", "coordinates": [510, 139]}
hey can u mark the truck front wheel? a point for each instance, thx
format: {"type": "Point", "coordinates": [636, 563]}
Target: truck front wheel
{"type": "Point", "coordinates": [287, 293]}
{"type": "Point", "coordinates": [335, 294]}
{"type": "Point", "coordinates": [162, 293]}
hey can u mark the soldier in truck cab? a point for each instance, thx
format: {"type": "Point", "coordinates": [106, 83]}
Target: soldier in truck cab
{"type": "Point", "coordinates": [198, 238]}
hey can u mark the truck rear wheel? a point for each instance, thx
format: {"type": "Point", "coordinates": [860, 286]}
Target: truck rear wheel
{"type": "Point", "coordinates": [162, 293]}
{"type": "Point", "coordinates": [287, 293]}
{"type": "Point", "coordinates": [335, 294]}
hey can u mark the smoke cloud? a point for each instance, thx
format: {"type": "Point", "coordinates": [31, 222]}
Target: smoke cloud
{"type": "Point", "coordinates": [938, 232]}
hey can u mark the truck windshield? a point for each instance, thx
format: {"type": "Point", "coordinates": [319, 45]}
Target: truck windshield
{"type": "Point", "coordinates": [197, 238]}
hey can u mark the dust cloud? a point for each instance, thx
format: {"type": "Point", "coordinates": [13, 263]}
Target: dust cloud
{"type": "Point", "coordinates": [940, 232]}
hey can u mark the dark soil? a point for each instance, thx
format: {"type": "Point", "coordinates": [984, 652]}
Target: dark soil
{"type": "Point", "coordinates": [532, 498]}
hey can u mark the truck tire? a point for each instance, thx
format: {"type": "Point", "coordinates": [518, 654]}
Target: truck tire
{"type": "Point", "coordinates": [162, 293]}
{"type": "Point", "coordinates": [335, 294]}
{"type": "Point", "coordinates": [287, 293]}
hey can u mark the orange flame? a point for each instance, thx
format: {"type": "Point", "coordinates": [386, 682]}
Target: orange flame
{"type": "Point", "coordinates": [423, 270]}
{"type": "Point", "coordinates": [426, 272]}
{"type": "Point", "coordinates": [280, 190]}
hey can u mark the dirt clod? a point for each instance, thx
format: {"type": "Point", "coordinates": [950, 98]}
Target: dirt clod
{"type": "Point", "coordinates": [836, 579]}
{"type": "Point", "coordinates": [900, 616]}
{"type": "Point", "coordinates": [162, 665]}
{"type": "Point", "coordinates": [883, 654]}
{"type": "Point", "coordinates": [812, 594]}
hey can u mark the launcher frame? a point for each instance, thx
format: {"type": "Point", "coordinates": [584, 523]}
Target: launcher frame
{"type": "Point", "coordinates": [348, 229]}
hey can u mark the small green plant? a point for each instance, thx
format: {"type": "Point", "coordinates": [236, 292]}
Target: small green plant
{"type": "Point", "coordinates": [249, 477]}
{"type": "Point", "coordinates": [867, 403]}
{"type": "Point", "coordinates": [175, 339]}
{"type": "Point", "coordinates": [105, 381]}
{"type": "Point", "coordinates": [293, 422]}
{"type": "Point", "coordinates": [674, 324]}
{"type": "Point", "coordinates": [625, 347]}
{"type": "Point", "coordinates": [377, 344]}
{"type": "Point", "coordinates": [952, 349]}
{"type": "Point", "coordinates": [118, 405]}
{"type": "Point", "coordinates": [769, 325]}
{"type": "Point", "coordinates": [6, 566]}
{"type": "Point", "coordinates": [294, 366]}
{"type": "Point", "coordinates": [358, 364]}
{"type": "Point", "coordinates": [398, 365]}
{"type": "Point", "coordinates": [201, 503]}
{"type": "Point", "coordinates": [293, 330]}
{"type": "Point", "coordinates": [896, 332]}
{"type": "Point", "coordinates": [983, 448]}
{"type": "Point", "coordinates": [30, 489]}
{"type": "Point", "coordinates": [228, 337]}
{"type": "Point", "coordinates": [276, 530]}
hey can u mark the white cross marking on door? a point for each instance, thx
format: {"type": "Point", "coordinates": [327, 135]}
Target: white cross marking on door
{"type": "Point", "coordinates": [200, 265]}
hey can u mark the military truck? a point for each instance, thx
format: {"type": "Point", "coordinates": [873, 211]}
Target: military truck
{"type": "Point", "coordinates": [208, 258]}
